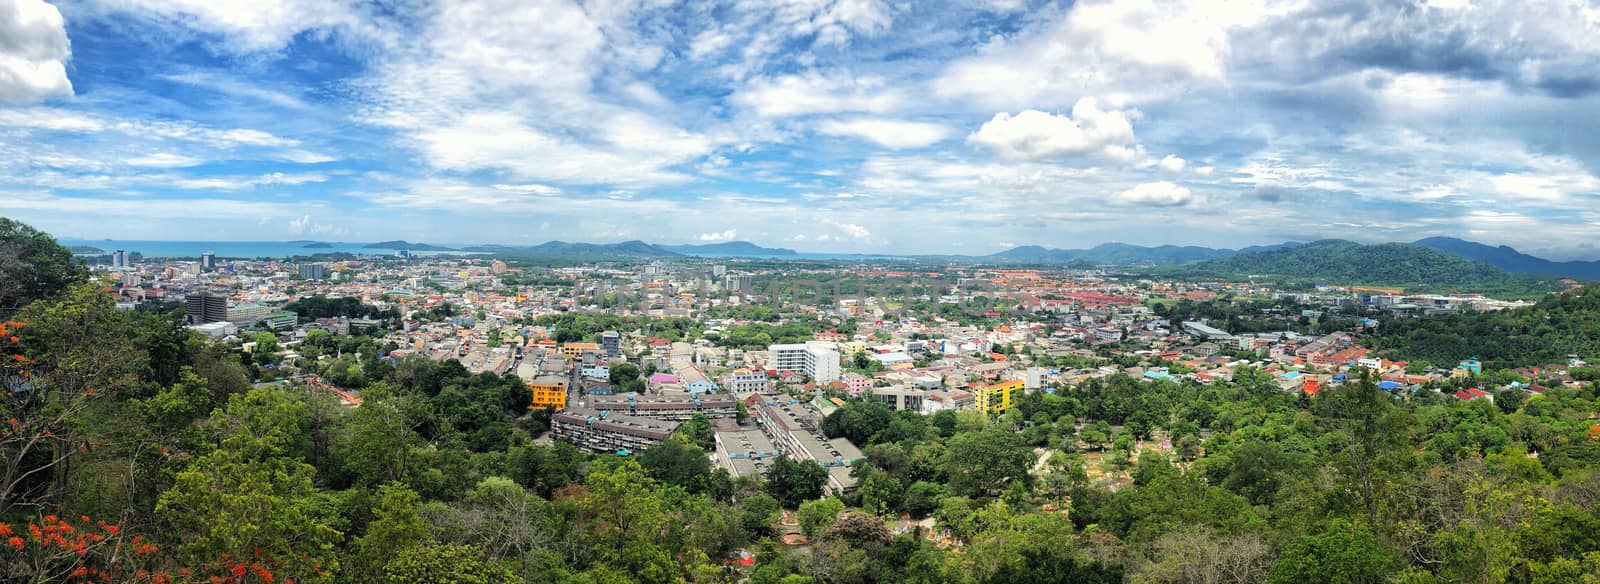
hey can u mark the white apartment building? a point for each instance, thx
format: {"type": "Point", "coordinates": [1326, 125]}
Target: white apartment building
{"type": "Point", "coordinates": [742, 381]}
{"type": "Point", "coordinates": [817, 359]}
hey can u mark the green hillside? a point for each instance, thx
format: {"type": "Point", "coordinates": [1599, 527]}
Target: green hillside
{"type": "Point", "coordinates": [1339, 262]}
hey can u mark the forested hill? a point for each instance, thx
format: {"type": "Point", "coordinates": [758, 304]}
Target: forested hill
{"type": "Point", "coordinates": [1547, 332]}
{"type": "Point", "coordinates": [1342, 262]}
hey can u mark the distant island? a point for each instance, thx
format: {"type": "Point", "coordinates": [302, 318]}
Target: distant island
{"type": "Point", "coordinates": [317, 245]}
{"type": "Point", "coordinates": [86, 250]}
{"type": "Point", "coordinates": [731, 248]}
{"type": "Point", "coordinates": [406, 245]}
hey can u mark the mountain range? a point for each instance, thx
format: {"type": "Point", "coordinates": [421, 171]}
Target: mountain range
{"type": "Point", "coordinates": [1503, 258]}
{"type": "Point", "coordinates": [1124, 254]}
{"type": "Point", "coordinates": [1511, 260]}
{"type": "Point", "coordinates": [1348, 263]}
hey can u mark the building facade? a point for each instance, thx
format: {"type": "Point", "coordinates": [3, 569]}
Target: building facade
{"type": "Point", "coordinates": [610, 432]}
{"type": "Point", "coordinates": [818, 360]}
{"type": "Point", "coordinates": [997, 397]}
{"type": "Point", "coordinates": [548, 391]}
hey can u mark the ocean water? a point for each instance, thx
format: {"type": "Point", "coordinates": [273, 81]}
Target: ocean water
{"type": "Point", "coordinates": [229, 249]}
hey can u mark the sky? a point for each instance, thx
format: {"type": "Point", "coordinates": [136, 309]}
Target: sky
{"type": "Point", "coordinates": [962, 126]}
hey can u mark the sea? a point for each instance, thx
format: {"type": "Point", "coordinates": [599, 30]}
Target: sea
{"type": "Point", "coordinates": [233, 249]}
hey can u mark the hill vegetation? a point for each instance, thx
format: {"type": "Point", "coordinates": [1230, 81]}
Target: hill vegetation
{"type": "Point", "coordinates": [1339, 262]}
{"type": "Point", "coordinates": [1547, 332]}
{"type": "Point", "coordinates": [1511, 260]}
{"type": "Point", "coordinates": [406, 245]}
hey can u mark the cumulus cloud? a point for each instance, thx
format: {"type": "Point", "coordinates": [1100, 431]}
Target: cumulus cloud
{"type": "Point", "coordinates": [1153, 194]}
{"type": "Point", "coordinates": [845, 230]}
{"type": "Point", "coordinates": [1172, 164]}
{"type": "Point", "coordinates": [305, 225]}
{"type": "Point", "coordinates": [1034, 134]}
{"type": "Point", "coordinates": [1103, 47]}
{"type": "Point", "coordinates": [33, 52]}
{"type": "Point", "coordinates": [715, 237]}
{"type": "Point", "coordinates": [894, 134]}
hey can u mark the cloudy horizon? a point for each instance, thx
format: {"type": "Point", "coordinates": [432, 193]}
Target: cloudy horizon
{"type": "Point", "coordinates": [962, 127]}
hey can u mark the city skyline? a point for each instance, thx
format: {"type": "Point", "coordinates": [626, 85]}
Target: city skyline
{"type": "Point", "coordinates": [827, 126]}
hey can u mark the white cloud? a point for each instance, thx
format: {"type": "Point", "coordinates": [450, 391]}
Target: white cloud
{"type": "Point", "coordinates": [1153, 194]}
{"type": "Point", "coordinates": [163, 160]}
{"type": "Point", "coordinates": [33, 52]}
{"type": "Point", "coordinates": [637, 151]}
{"type": "Point", "coordinates": [846, 230]}
{"type": "Point", "coordinates": [1137, 50]}
{"type": "Point", "coordinates": [529, 189]}
{"type": "Point", "coordinates": [222, 83]}
{"type": "Point", "coordinates": [234, 183]}
{"type": "Point", "coordinates": [1172, 164]}
{"type": "Point", "coordinates": [243, 26]}
{"type": "Point", "coordinates": [50, 119]}
{"type": "Point", "coordinates": [896, 134]}
{"type": "Point", "coordinates": [718, 237]}
{"type": "Point", "coordinates": [511, 86]}
{"type": "Point", "coordinates": [1034, 134]}
{"type": "Point", "coordinates": [304, 225]}
{"type": "Point", "coordinates": [299, 156]}
{"type": "Point", "coordinates": [813, 92]}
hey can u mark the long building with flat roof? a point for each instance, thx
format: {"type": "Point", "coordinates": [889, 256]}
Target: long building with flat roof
{"type": "Point", "coordinates": [610, 432]}
{"type": "Point", "coordinates": [793, 429]}
{"type": "Point", "coordinates": [669, 406]}
{"type": "Point", "coordinates": [744, 451]}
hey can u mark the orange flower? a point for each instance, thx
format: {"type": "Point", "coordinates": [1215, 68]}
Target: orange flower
{"type": "Point", "coordinates": [16, 542]}
{"type": "Point", "coordinates": [19, 358]}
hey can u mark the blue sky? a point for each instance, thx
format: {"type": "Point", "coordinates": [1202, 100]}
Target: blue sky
{"type": "Point", "coordinates": [825, 125]}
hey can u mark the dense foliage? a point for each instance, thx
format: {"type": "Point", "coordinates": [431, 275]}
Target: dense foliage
{"type": "Point", "coordinates": [315, 307]}
{"type": "Point", "coordinates": [1556, 326]}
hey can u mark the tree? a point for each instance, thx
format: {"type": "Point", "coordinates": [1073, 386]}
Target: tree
{"type": "Point", "coordinates": [793, 483]}
{"type": "Point", "coordinates": [445, 564]}
{"type": "Point", "coordinates": [760, 511]}
{"type": "Point", "coordinates": [675, 461]}
{"type": "Point", "coordinates": [61, 356]}
{"type": "Point", "coordinates": [396, 526]}
{"type": "Point", "coordinates": [379, 439]}
{"type": "Point", "coordinates": [980, 464]}
{"type": "Point", "coordinates": [33, 266]}
{"type": "Point", "coordinates": [1342, 554]}
{"type": "Point", "coordinates": [815, 516]}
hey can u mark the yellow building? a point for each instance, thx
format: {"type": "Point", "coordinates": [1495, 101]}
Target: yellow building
{"type": "Point", "coordinates": [574, 349]}
{"type": "Point", "coordinates": [548, 391]}
{"type": "Point", "coordinates": [997, 397]}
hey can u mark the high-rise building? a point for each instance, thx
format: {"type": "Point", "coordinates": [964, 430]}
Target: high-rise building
{"type": "Point", "coordinates": [718, 271]}
{"type": "Point", "coordinates": [497, 266]}
{"type": "Point", "coordinates": [312, 271]}
{"type": "Point", "coordinates": [739, 284]}
{"type": "Point", "coordinates": [818, 360]}
{"type": "Point", "coordinates": [206, 307]}
{"type": "Point", "coordinates": [208, 261]}
{"type": "Point", "coordinates": [119, 260]}
{"type": "Point", "coordinates": [611, 341]}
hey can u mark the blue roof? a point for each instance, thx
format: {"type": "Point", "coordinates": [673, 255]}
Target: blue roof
{"type": "Point", "coordinates": [1388, 385]}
